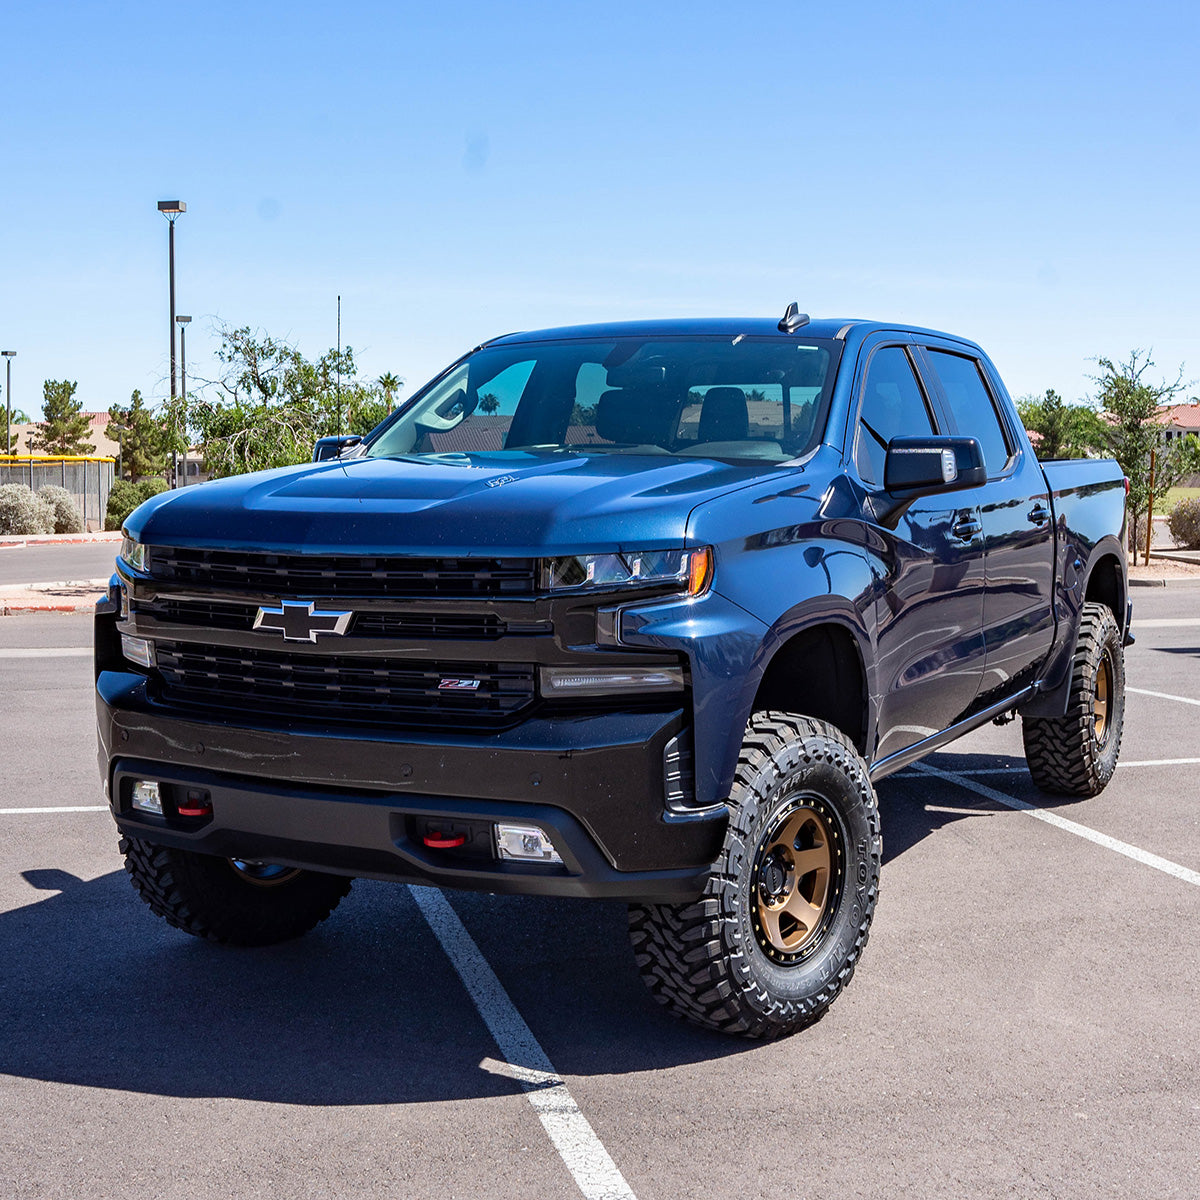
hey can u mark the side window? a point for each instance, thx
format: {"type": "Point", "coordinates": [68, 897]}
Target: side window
{"type": "Point", "coordinates": [971, 403]}
{"type": "Point", "coordinates": [892, 406]}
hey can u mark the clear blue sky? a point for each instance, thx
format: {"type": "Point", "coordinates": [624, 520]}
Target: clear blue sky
{"type": "Point", "coordinates": [1022, 173]}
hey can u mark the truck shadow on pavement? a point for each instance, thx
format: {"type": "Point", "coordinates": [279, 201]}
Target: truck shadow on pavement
{"type": "Point", "coordinates": [366, 1009]}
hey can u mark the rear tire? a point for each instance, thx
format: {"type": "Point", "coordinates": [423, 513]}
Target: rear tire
{"type": "Point", "coordinates": [784, 917]}
{"type": "Point", "coordinates": [223, 900]}
{"type": "Point", "coordinates": [1076, 754]}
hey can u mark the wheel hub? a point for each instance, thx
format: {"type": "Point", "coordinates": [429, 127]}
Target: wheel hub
{"type": "Point", "coordinates": [1101, 697]}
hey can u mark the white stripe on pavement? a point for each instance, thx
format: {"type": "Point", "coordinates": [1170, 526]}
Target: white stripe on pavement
{"type": "Point", "coordinates": [1018, 768]}
{"type": "Point", "coordinates": [57, 808]}
{"type": "Point", "coordinates": [47, 652]}
{"type": "Point", "coordinates": [1163, 696]}
{"type": "Point", "coordinates": [1051, 818]}
{"type": "Point", "coordinates": [1164, 623]}
{"type": "Point", "coordinates": [593, 1170]}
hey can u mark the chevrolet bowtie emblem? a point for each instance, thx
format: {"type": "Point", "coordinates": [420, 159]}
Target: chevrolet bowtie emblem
{"type": "Point", "coordinates": [300, 622]}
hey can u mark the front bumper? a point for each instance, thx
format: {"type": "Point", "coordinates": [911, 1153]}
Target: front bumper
{"type": "Point", "coordinates": [354, 802]}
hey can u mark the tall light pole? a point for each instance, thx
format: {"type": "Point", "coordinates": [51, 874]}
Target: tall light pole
{"type": "Point", "coordinates": [183, 323]}
{"type": "Point", "coordinates": [172, 210]}
{"type": "Point", "coordinates": [9, 355]}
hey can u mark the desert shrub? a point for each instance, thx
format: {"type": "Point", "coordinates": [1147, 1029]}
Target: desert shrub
{"type": "Point", "coordinates": [126, 496]}
{"type": "Point", "coordinates": [23, 512]}
{"type": "Point", "coordinates": [1184, 523]}
{"type": "Point", "coordinates": [67, 517]}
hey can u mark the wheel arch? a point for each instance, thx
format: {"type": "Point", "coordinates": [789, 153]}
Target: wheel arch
{"type": "Point", "coordinates": [819, 670]}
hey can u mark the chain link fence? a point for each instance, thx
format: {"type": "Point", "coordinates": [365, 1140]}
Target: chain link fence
{"type": "Point", "coordinates": [88, 479]}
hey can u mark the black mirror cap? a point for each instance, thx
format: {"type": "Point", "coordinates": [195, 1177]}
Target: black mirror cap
{"type": "Point", "coordinates": [925, 466]}
{"type": "Point", "coordinates": [331, 447]}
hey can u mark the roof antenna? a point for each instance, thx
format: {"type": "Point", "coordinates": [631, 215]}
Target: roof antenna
{"type": "Point", "coordinates": [793, 319]}
{"type": "Point", "coordinates": [339, 372]}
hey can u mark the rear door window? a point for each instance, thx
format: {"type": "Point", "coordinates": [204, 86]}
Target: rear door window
{"type": "Point", "coordinates": [971, 403]}
{"type": "Point", "coordinates": [893, 405]}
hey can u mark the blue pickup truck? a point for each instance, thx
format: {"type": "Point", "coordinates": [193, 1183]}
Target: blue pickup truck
{"type": "Point", "coordinates": [637, 611]}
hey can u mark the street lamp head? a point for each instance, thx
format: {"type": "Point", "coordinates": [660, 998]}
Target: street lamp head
{"type": "Point", "coordinates": [9, 353]}
{"type": "Point", "coordinates": [183, 320]}
{"type": "Point", "coordinates": [171, 209]}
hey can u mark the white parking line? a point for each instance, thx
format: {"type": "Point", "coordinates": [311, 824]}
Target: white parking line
{"type": "Point", "coordinates": [1051, 818]}
{"type": "Point", "coordinates": [46, 652]}
{"type": "Point", "coordinates": [57, 808]}
{"type": "Point", "coordinates": [593, 1170]}
{"type": "Point", "coordinates": [1163, 695]}
{"type": "Point", "coordinates": [1165, 623]}
{"type": "Point", "coordinates": [1018, 768]}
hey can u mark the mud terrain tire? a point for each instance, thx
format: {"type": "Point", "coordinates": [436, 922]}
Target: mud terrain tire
{"type": "Point", "coordinates": [776, 935]}
{"type": "Point", "coordinates": [239, 904]}
{"type": "Point", "coordinates": [1076, 754]}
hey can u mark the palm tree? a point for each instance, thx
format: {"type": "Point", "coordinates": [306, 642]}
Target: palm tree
{"type": "Point", "coordinates": [390, 384]}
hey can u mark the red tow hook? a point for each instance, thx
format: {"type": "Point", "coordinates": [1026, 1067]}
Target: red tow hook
{"type": "Point", "coordinates": [435, 840]}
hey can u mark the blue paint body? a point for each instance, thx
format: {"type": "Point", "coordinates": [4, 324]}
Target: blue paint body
{"type": "Point", "coordinates": [944, 629]}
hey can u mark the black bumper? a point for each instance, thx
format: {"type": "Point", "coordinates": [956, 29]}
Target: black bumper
{"type": "Point", "coordinates": [358, 803]}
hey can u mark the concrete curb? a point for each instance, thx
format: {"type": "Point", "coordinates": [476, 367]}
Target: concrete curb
{"type": "Point", "coordinates": [71, 596]}
{"type": "Point", "coordinates": [1179, 581]}
{"type": "Point", "coordinates": [12, 541]}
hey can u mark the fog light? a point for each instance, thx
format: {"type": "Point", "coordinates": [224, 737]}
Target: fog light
{"type": "Point", "coordinates": [137, 650]}
{"type": "Point", "coordinates": [147, 797]}
{"type": "Point", "coordinates": [526, 843]}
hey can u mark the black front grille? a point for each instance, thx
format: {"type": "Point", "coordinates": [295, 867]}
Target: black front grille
{"type": "Point", "coordinates": [344, 574]}
{"type": "Point", "coordinates": [338, 688]}
{"type": "Point", "coordinates": [204, 614]}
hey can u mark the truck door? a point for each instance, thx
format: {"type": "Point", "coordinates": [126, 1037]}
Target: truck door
{"type": "Point", "coordinates": [1018, 532]}
{"type": "Point", "coordinates": [929, 599]}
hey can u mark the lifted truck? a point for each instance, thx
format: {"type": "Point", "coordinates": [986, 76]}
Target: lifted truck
{"type": "Point", "coordinates": [638, 611]}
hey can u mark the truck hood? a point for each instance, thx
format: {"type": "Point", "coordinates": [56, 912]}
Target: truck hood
{"type": "Point", "coordinates": [521, 504]}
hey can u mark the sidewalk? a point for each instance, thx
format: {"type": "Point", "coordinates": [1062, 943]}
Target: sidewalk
{"type": "Point", "coordinates": [73, 596]}
{"type": "Point", "coordinates": [14, 541]}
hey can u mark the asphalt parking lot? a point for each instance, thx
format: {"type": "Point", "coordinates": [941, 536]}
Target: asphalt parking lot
{"type": "Point", "coordinates": [1024, 1021]}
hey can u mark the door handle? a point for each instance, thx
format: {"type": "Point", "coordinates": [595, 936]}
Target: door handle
{"type": "Point", "coordinates": [1039, 514]}
{"type": "Point", "coordinates": [966, 528]}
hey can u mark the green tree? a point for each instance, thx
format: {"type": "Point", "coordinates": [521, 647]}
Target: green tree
{"type": "Point", "coordinates": [271, 404]}
{"type": "Point", "coordinates": [63, 428]}
{"type": "Point", "coordinates": [18, 417]}
{"type": "Point", "coordinates": [1131, 403]}
{"type": "Point", "coordinates": [1064, 430]}
{"type": "Point", "coordinates": [489, 403]}
{"type": "Point", "coordinates": [390, 384]}
{"type": "Point", "coordinates": [141, 436]}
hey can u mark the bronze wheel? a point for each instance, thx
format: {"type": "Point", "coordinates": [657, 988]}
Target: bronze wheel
{"type": "Point", "coordinates": [795, 881]}
{"type": "Point", "coordinates": [1101, 699]}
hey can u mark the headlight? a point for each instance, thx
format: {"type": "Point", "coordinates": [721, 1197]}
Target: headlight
{"type": "Point", "coordinates": [691, 570]}
{"type": "Point", "coordinates": [135, 554]}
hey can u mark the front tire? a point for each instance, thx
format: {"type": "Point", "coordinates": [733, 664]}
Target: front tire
{"type": "Point", "coordinates": [229, 900]}
{"type": "Point", "coordinates": [784, 917]}
{"type": "Point", "coordinates": [1076, 754]}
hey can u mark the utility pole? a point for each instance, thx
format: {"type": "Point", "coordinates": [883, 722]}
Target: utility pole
{"type": "Point", "coordinates": [9, 355]}
{"type": "Point", "coordinates": [172, 210]}
{"type": "Point", "coordinates": [183, 323]}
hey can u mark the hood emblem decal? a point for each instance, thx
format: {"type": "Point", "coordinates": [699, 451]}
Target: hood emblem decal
{"type": "Point", "coordinates": [300, 622]}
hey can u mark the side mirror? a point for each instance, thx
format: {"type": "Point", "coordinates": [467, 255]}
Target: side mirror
{"type": "Point", "coordinates": [927, 466]}
{"type": "Point", "coordinates": [332, 447]}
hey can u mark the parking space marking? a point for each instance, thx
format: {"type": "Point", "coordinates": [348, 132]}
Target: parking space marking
{"type": "Point", "coordinates": [1018, 768]}
{"type": "Point", "coordinates": [47, 652]}
{"type": "Point", "coordinates": [1165, 623]}
{"type": "Point", "coordinates": [54, 808]}
{"type": "Point", "coordinates": [581, 1150]}
{"type": "Point", "coordinates": [1163, 696]}
{"type": "Point", "coordinates": [1051, 818]}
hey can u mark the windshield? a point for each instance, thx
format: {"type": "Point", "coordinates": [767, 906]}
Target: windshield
{"type": "Point", "coordinates": [707, 397]}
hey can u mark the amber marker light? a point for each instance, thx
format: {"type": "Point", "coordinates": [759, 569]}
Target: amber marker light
{"type": "Point", "coordinates": [699, 571]}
